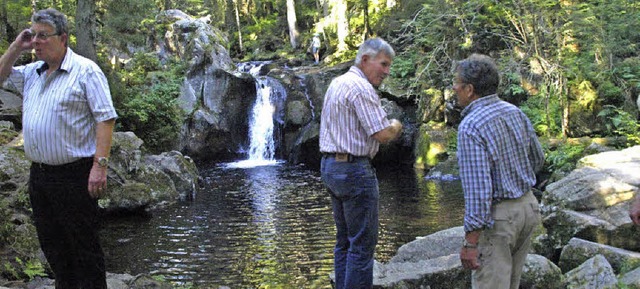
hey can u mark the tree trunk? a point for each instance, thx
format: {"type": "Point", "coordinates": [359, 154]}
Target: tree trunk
{"type": "Point", "coordinates": [342, 25]}
{"type": "Point", "coordinates": [231, 15]}
{"type": "Point", "coordinates": [235, 6]}
{"type": "Point", "coordinates": [293, 25]}
{"type": "Point", "coordinates": [367, 27]}
{"type": "Point", "coordinates": [325, 8]}
{"type": "Point", "coordinates": [9, 31]}
{"type": "Point", "coordinates": [565, 114]}
{"type": "Point", "coordinates": [86, 29]}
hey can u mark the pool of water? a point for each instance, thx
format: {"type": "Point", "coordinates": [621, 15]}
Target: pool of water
{"type": "Point", "coordinates": [268, 227]}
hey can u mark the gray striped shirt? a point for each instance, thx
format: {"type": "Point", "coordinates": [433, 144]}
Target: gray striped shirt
{"type": "Point", "coordinates": [351, 114]}
{"type": "Point", "coordinates": [60, 111]}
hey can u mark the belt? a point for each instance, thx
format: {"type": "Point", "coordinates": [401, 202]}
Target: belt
{"type": "Point", "coordinates": [68, 166]}
{"type": "Point", "coordinates": [344, 157]}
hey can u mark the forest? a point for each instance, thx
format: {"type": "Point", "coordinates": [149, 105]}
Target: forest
{"type": "Point", "coordinates": [572, 66]}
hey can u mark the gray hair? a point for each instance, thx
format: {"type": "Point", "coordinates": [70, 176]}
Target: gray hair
{"type": "Point", "coordinates": [373, 47]}
{"type": "Point", "coordinates": [53, 18]}
{"type": "Point", "coordinates": [480, 71]}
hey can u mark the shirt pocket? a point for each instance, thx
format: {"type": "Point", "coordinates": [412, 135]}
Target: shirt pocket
{"type": "Point", "coordinates": [73, 99]}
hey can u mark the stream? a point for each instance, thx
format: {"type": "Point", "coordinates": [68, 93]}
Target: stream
{"type": "Point", "coordinates": [268, 226]}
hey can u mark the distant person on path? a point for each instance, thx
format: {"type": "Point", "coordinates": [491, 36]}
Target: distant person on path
{"type": "Point", "coordinates": [68, 118]}
{"type": "Point", "coordinates": [315, 47]}
{"type": "Point", "coordinates": [352, 126]}
{"type": "Point", "coordinates": [498, 155]}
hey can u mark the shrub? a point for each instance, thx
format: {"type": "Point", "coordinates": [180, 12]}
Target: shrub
{"type": "Point", "coordinates": [147, 101]}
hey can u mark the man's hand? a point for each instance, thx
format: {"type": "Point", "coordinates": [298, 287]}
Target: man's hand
{"type": "Point", "coordinates": [634, 212]}
{"type": "Point", "coordinates": [469, 258]}
{"type": "Point", "coordinates": [469, 253]}
{"type": "Point", "coordinates": [97, 181]}
{"type": "Point", "coordinates": [389, 133]}
{"type": "Point", "coordinates": [24, 40]}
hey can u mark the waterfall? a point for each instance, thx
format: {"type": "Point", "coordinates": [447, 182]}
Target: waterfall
{"type": "Point", "coordinates": [266, 118]}
{"type": "Point", "coordinates": [262, 145]}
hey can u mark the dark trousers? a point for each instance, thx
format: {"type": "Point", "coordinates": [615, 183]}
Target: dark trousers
{"type": "Point", "coordinates": [66, 219]}
{"type": "Point", "coordinates": [353, 186]}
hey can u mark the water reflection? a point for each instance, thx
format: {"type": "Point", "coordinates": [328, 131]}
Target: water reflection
{"type": "Point", "coordinates": [268, 226]}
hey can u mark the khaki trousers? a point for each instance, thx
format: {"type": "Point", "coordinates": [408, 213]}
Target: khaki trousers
{"type": "Point", "coordinates": [503, 249]}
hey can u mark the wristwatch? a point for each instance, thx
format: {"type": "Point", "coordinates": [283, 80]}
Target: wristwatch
{"type": "Point", "coordinates": [103, 162]}
{"type": "Point", "coordinates": [468, 245]}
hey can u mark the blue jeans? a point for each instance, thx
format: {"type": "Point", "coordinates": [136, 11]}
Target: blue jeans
{"type": "Point", "coordinates": [353, 187]}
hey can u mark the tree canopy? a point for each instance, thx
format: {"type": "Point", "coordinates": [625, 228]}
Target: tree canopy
{"type": "Point", "coordinates": [558, 56]}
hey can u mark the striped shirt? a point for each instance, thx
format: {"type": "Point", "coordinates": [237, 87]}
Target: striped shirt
{"type": "Point", "coordinates": [60, 111]}
{"type": "Point", "coordinates": [498, 155]}
{"type": "Point", "coordinates": [351, 114]}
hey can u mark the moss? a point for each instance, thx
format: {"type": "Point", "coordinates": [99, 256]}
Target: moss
{"type": "Point", "coordinates": [7, 135]}
{"type": "Point", "coordinates": [432, 145]}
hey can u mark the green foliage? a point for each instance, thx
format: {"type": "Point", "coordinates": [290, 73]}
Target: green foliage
{"type": "Point", "coordinates": [545, 114]}
{"type": "Point", "coordinates": [512, 84]}
{"type": "Point", "coordinates": [147, 101]}
{"type": "Point", "coordinates": [264, 37]}
{"type": "Point", "coordinates": [404, 66]}
{"type": "Point", "coordinates": [621, 123]}
{"type": "Point", "coordinates": [124, 21]}
{"type": "Point", "coordinates": [610, 94]}
{"type": "Point", "coordinates": [564, 158]}
{"type": "Point", "coordinates": [627, 74]}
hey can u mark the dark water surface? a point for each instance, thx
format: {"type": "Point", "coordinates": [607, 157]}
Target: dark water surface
{"type": "Point", "coordinates": [269, 227]}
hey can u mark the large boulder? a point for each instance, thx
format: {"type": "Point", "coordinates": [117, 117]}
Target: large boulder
{"type": "Point", "coordinates": [578, 251]}
{"type": "Point", "coordinates": [214, 98]}
{"type": "Point", "coordinates": [433, 261]}
{"type": "Point", "coordinates": [592, 202]}
{"type": "Point", "coordinates": [138, 182]}
{"type": "Point", "coordinates": [594, 273]}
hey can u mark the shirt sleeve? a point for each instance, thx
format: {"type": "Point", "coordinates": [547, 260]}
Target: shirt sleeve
{"type": "Point", "coordinates": [369, 110]}
{"type": "Point", "coordinates": [99, 95]}
{"type": "Point", "coordinates": [475, 172]}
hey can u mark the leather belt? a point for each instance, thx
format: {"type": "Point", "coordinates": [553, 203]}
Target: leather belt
{"type": "Point", "coordinates": [68, 166]}
{"type": "Point", "coordinates": [344, 157]}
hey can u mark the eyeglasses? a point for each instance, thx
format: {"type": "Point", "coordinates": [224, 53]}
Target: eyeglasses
{"type": "Point", "coordinates": [44, 36]}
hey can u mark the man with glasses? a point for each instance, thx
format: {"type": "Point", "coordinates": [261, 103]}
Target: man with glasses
{"type": "Point", "coordinates": [67, 121]}
{"type": "Point", "coordinates": [498, 155]}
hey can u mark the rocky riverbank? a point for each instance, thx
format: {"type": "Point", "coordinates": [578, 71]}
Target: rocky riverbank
{"type": "Point", "coordinates": [586, 240]}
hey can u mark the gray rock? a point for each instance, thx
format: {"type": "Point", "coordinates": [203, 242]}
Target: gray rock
{"type": "Point", "coordinates": [595, 273]}
{"type": "Point", "coordinates": [138, 182]}
{"type": "Point", "coordinates": [433, 262]}
{"type": "Point", "coordinates": [181, 169]}
{"type": "Point", "coordinates": [578, 251]}
{"type": "Point", "coordinates": [441, 272]}
{"type": "Point", "coordinates": [631, 279]}
{"type": "Point", "coordinates": [298, 112]}
{"type": "Point", "coordinates": [592, 202]}
{"type": "Point", "coordinates": [540, 272]}
{"type": "Point", "coordinates": [442, 243]}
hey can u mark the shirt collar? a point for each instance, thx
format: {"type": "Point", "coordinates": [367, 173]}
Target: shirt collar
{"type": "Point", "coordinates": [357, 71]}
{"type": "Point", "coordinates": [64, 66]}
{"type": "Point", "coordinates": [479, 102]}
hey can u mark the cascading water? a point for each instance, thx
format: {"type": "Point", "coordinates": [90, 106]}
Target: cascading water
{"type": "Point", "coordinates": [266, 115]}
{"type": "Point", "coordinates": [262, 145]}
